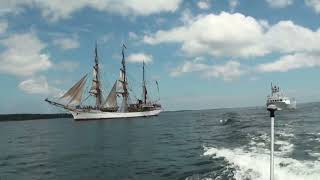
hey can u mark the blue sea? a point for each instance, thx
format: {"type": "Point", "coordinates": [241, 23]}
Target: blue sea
{"type": "Point", "coordinates": [218, 144]}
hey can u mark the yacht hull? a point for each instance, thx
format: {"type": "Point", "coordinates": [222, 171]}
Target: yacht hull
{"type": "Point", "coordinates": [283, 105]}
{"type": "Point", "coordinates": [95, 115]}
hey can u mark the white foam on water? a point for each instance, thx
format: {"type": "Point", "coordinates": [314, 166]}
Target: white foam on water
{"type": "Point", "coordinates": [314, 154]}
{"type": "Point", "coordinates": [256, 166]}
{"type": "Point", "coordinates": [261, 144]}
{"type": "Point", "coordinates": [285, 133]}
{"type": "Point", "coordinates": [317, 139]}
{"type": "Point", "coordinates": [197, 177]}
{"type": "Point", "coordinates": [285, 147]}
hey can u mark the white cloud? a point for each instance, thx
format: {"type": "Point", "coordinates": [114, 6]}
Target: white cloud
{"type": "Point", "coordinates": [229, 71]}
{"type": "Point", "coordinates": [69, 66]}
{"type": "Point", "coordinates": [139, 58]}
{"type": "Point", "coordinates": [254, 78]}
{"type": "Point", "coordinates": [160, 21]}
{"type": "Point", "coordinates": [203, 4]}
{"type": "Point", "coordinates": [315, 4]}
{"type": "Point", "coordinates": [188, 67]}
{"type": "Point", "coordinates": [133, 36]}
{"type": "Point", "coordinates": [60, 9]}
{"type": "Point", "coordinates": [186, 16]}
{"type": "Point", "coordinates": [233, 4]}
{"type": "Point", "coordinates": [23, 55]}
{"type": "Point", "coordinates": [218, 35]}
{"type": "Point", "coordinates": [237, 35]}
{"type": "Point", "coordinates": [287, 37]}
{"type": "Point", "coordinates": [39, 85]}
{"type": "Point", "coordinates": [67, 42]}
{"type": "Point", "coordinates": [3, 26]}
{"type": "Point", "coordinates": [290, 62]}
{"type": "Point", "coordinates": [105, 38]}
{"type": "Point", "coordinates": [279, 3]}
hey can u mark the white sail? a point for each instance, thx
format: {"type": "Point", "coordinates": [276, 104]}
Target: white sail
{"type": "Point", "coordinates": [111, 100]}
{"type": "Point", "coordinates": [75, 88]}
{"type": "Point", "coordinates": [94, 87]}
{"type": "Point", "coordinates": [124, 107]}
{"type": "Point", "coordinates": [119, 87]}
{"type": "Point", "coordinates": [76, 99]}
{"type": "Point", "coordinates": [121, 76]}
{"type": "Point", "coordinates": [121, 82]}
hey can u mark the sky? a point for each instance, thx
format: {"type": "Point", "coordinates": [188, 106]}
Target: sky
{"type": "Point", "coordinates": [205, 54]}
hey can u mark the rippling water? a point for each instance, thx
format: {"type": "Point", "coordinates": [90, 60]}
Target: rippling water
{"type": "Point", "coordinates": [188, 145]}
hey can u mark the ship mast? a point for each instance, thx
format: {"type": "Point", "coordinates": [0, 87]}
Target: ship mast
{"type": "Point", "coordinates": [144, 88]}
{"type": "Point", "coordinates": [96, 85]}
{"type": "Point", "coordinates": [123, 80]}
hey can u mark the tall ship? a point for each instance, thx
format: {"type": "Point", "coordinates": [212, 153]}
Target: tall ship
{"type": "Point", "coordinates": [280, 100]}
{"type": "Point", "coordinates": [114, 104]}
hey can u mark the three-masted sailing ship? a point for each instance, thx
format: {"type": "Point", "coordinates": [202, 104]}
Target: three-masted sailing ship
{"type": "Point", "coordinates": [105, 108]}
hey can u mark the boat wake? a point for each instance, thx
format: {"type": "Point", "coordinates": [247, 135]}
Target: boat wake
{"type": "Point", "coordinates": [252, 162]}
{"type": "Point", "coordinates": [255, 166]}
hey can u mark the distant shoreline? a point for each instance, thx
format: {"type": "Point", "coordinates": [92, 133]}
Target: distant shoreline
{"type": "Point", "coordinates": [23, 117]}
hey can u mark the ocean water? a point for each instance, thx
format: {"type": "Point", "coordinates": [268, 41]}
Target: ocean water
{"type": "Point", "coordinates": [186, 145]}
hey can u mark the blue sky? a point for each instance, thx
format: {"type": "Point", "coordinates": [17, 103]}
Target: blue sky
{"type": "Point", "coordinates": [204, 53]}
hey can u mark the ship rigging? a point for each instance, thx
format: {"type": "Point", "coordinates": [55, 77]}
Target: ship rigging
{"type": "Point", "coordinates": [108, 107]}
